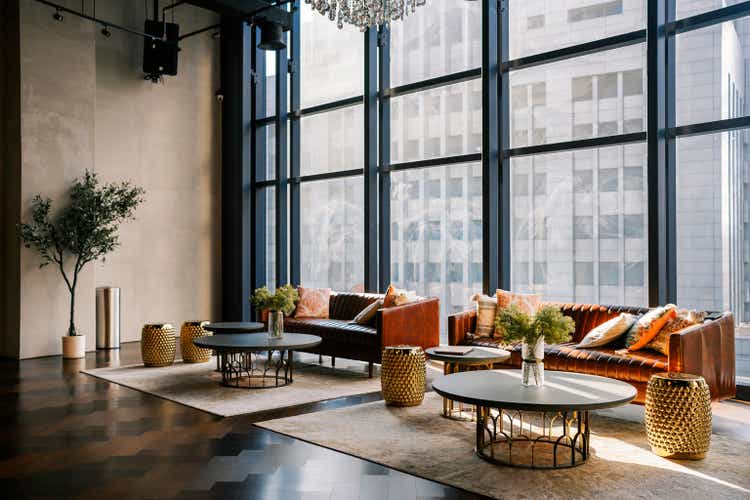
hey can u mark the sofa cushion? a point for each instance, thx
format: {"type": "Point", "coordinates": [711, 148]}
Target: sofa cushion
{"type": "Point", "coordinates": [336, 330]}
{"type": "Point", "coordinates": [628, 366]}
{"type": "Point", "coordinates": [313, 303]}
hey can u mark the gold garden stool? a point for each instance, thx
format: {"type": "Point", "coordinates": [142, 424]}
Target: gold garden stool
{"type": "Point", "coordinates": [158, 344]}
{"type": "Point", "coordinates": [403, 375]}
{"type": "Point", "coordinates": [190, 331]}
{"type": "Point", "coordinates": [678, 415]}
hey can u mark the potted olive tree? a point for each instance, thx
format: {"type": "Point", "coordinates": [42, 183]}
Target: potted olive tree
{"type": "Point", "coordinates": [83, 231]}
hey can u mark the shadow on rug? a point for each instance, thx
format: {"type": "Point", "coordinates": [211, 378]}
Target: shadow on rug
{"type": "Point", "coordinates": [418, 441]}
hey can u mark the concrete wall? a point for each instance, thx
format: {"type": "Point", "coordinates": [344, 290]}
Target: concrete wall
{"type": "Point", "coordinates": [85, 105]}
{"type": "Point", "coordinates": [10, 178]}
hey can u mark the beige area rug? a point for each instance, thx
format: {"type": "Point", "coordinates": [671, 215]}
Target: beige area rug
{"type": "Point", "coordinates": [199, 386]}
{"type": "Point", "coordinates": [418, 441]}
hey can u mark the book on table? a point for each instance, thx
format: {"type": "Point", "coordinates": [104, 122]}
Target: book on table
{"type": "Point", "coordinates": [454, 350]}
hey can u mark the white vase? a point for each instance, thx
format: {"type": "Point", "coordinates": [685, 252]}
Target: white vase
{"type": "Point", "coordinates": [532, 363]}
{"type": "Point", "coordinates": [74, 346]}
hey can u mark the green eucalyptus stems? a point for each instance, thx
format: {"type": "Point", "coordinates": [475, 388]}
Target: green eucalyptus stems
{"type": "Point", "coordinates": [283, 300]}
{"type": "Point", "coordinates": [548, 323]}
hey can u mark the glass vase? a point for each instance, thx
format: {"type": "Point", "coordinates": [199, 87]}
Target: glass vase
{"type": "Point", "coordinates": [275, 324]}
{"type": "Point", "coordinates": [532, 364]}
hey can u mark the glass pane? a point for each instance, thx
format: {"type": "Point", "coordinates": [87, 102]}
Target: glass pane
{"type": "Point", "coordinates": [332, 60]}
{"type": "Point", "coordinates": [711, 72]}
{"type": "Point", "coordinates": [540, 25]}
{"type": "Point", "coordinates": [442, 37]}
{"type": "Point", "coordinates": [269, 142]}
{"type": "Point", "coordinates": [270, 203]}
{"type": "Point", "coordinates": [591, 96]}
{"type": "Point", "coordinates": [583, 236]}
{"type": "Point", "coordinates": [436, 234]}
{"type": "Point", "coordinates": [270, 100]}
{"type": "Point", "coordinates": [687, 8]}
{"type": "Point", "coordinates": [713, 238]}
{"type": "Point", "coordinates": [332, 224]}
{"type": "Point", "coordinates": [332, 141]}
{"type": "Point", "coordinates": [440, 122]}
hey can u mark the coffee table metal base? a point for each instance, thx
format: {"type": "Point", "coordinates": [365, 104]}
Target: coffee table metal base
{"type": "Point", "coordinates": [256, 370]}
{"type": "Point", "coordinates": [456, 410]}
{"type": "Point", "coordinates": [534, 440]}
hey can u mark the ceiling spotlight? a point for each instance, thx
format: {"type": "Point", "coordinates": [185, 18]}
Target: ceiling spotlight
{"type": "Point", "coordinates": [106, 32]}
{"type": "Point", "coordinates": [57, 16]}
{"type": "Point", "coordinates": [271, 36]}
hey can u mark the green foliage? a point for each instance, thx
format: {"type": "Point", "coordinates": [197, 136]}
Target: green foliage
{"type": "Point", "coordinates": [548, 322]}
{"type": "Point", "coordinates": [83, 231]}
{"type": "Point", "coordinates": [283, 300]}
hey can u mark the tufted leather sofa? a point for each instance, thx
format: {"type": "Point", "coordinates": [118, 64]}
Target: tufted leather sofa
{"type": "Point", "coordinates": [706, 349]}
{"type": "Point", "coordinates": [416, 324]}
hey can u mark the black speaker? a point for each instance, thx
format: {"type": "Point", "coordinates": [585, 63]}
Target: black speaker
{"type": "Point", "coordinates": [160, 57]}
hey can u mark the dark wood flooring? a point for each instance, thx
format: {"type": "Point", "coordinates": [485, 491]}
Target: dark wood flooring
{"type": "Point", "coordinates": [64, 434]}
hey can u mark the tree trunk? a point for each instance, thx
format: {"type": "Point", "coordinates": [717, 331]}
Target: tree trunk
{"type": "Point", "coordinates": [72, 326]}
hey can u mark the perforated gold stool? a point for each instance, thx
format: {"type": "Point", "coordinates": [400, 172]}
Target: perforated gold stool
{"type": "Point", "coordinates": [678, 415]}
{"type": "Point", "coordinates": [403, 375]}
{"type": "Point", "coordinates": [191, 353]}
{"type": "Point", "coordinates": [158, 344]}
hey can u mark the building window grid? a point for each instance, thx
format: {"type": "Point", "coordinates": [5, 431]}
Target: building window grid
{"type": "Point", "coordinates": [622, 183]}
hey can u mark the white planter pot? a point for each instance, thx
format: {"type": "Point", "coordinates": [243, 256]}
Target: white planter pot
{"type": "Point", "coordinates": [74, 347]}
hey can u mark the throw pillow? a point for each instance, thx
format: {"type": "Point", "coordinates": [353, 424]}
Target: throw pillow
{"type": "Point", "coordinates": [682, 320]}
{"type": "Point", "coordinates": [526, 302]}
{"type": "Point", "coordinates": [404, 297]}
{"type": "Point", "coordinates": [313, 303]}
{"type": "Point", "coordinates": [486, 310]}
{"type": "Point", "coordinates": [390, 297]}
{"type": "Point", "coordinates": [367, 315]}
{"type": "Point", "coordinates": [648, 326]}
{"type": "Point", "coordinates": [607, 332]}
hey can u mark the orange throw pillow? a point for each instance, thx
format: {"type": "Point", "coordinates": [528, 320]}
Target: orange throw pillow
{"type": "Point", "coordinates": [313, 303]}
{"type": "Point", "coordinates": [526, 302]}
{"type": "Point", "coordinates": [648, 326]}
{"type": "Point", "coordinates": [390, 297]}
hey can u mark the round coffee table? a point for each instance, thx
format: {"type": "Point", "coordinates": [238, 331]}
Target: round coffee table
{"type": "Point", "coordinates": [479, 358]}
{"type": "Point", "coordinates": [232, 327]}
{"type": "Point", "coordinates": [535, 427]}
{"type": "Point", "coordinates": [244, 362]}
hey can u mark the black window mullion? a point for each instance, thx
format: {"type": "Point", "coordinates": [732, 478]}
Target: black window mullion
{"type": "Point", "coordinates": [384, 148]}
{"type": "Point", "coordinates": [504, 200]}
{"type": "Point", "coordinates": [657, 63]}
{"type": "Point", "coordinates": [371, 160]}
{"type": "Point", "coordinates": [295, 142]}
{"type": "Point", "coordinates": [671, 155]}
{"type": "Point", "coordinates": [258, 168]}
{"type": "Point", "coordinates": [491, 237]}
{"type": "Point", "coordinates": [282, 189]}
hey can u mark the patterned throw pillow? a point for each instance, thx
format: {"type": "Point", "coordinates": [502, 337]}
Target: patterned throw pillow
{"type": "Point", "coordinates": [313, 303]}
{"type": "Point", "coordinates": [404, 297]}
{"type": "Point", "coordinates": [526, 302]}
{"type": "Point", "coordinates": [486, 307]}
{"type": "Point", "coordinates": [648, 326]}
{"type": "Point", "coordinates": [607, 332]}
{"type": "Point", "coordinates": [684, 319]}
{"type": "Point", "coordinates": [367, 315]}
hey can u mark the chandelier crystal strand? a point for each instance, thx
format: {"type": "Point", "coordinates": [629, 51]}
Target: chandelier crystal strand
{"type": "Point", "coordinates": [365, 13]}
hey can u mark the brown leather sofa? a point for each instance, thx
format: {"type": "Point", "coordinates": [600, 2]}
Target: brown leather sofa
{"type": "Point", "coordinates": [706, 349]}
{"type": "Point", "coordinates": [416, 324]}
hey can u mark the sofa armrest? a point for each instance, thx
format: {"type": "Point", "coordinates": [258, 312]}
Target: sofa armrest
{"type": "Point", "coordinates": [707, 350]}
{"type": "Point", "coordinates": [416, 324]}
{"type": "Point", "coordinates": [459, 324]}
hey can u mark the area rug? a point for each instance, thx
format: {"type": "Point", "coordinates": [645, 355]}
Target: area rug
{"type": "Point", "coordinates": [198, 386]}
{"type": "Point", "coordinates": [418, 441]}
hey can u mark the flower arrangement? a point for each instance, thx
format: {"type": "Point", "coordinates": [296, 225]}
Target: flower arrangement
{"type": "Point", "coordinates": [283, 300]}
{"type": "Point", "coordinates": [548, 323]}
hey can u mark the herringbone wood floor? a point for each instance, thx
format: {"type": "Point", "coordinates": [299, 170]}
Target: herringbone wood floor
{"type": "Point", "coordinates": [64, 434]}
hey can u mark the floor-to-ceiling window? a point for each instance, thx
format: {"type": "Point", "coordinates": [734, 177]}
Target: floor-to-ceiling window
{"type": "Point", "coordinates": [622, 128]}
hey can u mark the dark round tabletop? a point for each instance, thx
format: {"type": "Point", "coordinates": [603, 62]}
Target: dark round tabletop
{"type": "Point", "coordinates": [562, 391]}
{"type": "Point", "coordinates": [476, 355]}
{"type": "Point", "coordinates": [251, 343]}
{"type": "Point", "coordinates": [231, 327]}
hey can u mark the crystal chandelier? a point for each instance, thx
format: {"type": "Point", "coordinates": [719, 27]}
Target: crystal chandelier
{"type": "Point", "coordinates": [365, 13]}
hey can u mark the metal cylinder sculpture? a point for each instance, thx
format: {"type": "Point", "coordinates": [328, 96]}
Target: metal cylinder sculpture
{"type": "Point", "coordinates": [678, 415]}
{"type": "Point", "coordinates": [403, 375]}
{"type": "Point", "coordinates": [191, 353]}
{"type": "Point", "coordinates": [158, 344]}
